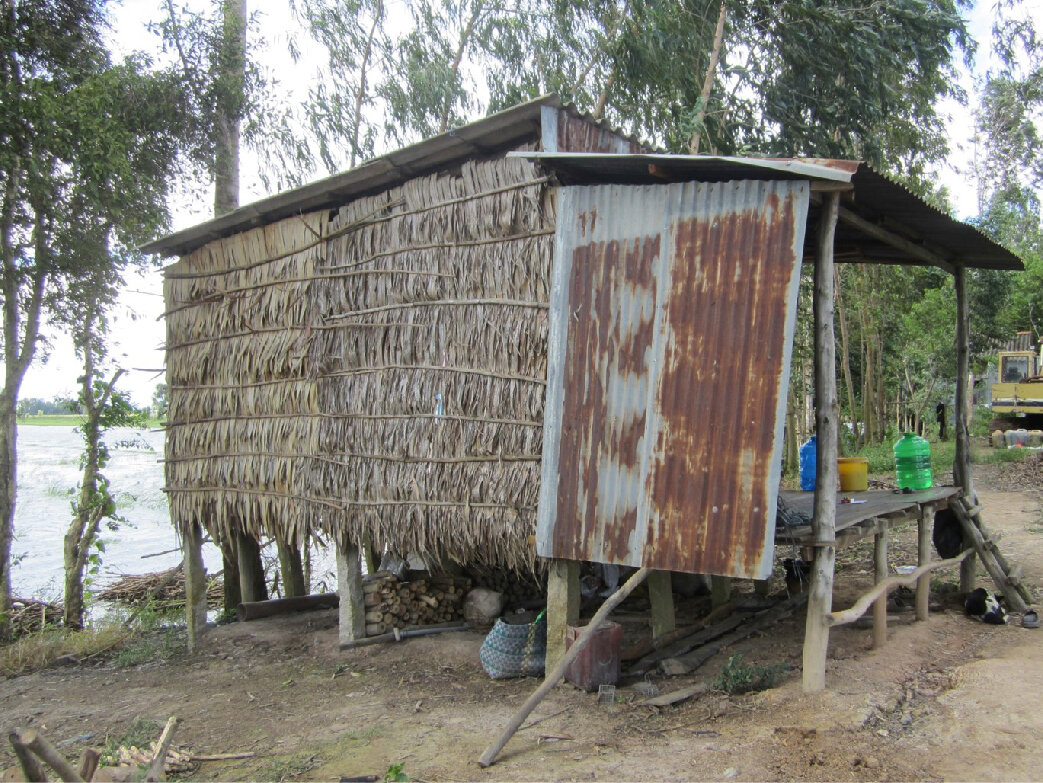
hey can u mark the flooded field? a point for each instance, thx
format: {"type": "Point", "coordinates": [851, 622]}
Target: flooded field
{"type": "Point", "coordinates": [48, 474]}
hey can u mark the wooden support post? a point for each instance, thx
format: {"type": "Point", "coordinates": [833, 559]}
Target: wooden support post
{"type": "Point", "coordinates": [720, 590]}
{"type": "Point", "coordinates": [923, 557]}
{"type": "Point", "coordinates": [369, 553]}
{"type": "Point", "coordinates": [562, 606]}
{"type": "Point", "coordinates": [195, 583]}
{"type": "Point", "coordinates": [251, 569]}
{"type": "Point", "coordinates": [292, 569]}
{"type": "Point", "coordinates": [661, 599]}
{"type": "Point", "coordinates": [820, 596]}
{"type": "Point", "coordinates": [352, 606]}
{"type": "Point", "coordinates": [961, 469]}
{"type": "Point", "coordinates": [231, 589]}
{"type": "Point", "coordinates": [880, 605]}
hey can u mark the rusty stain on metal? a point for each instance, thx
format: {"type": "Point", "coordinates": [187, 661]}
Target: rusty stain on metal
{"type": "Point", "coordinates": [672, 319]}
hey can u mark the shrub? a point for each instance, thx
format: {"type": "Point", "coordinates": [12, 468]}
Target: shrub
{"type": "Point", "coordinates": [738, 677]}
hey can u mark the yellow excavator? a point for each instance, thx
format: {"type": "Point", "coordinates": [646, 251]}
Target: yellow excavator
{"type": "Point", "coordinates": [1017, 397]}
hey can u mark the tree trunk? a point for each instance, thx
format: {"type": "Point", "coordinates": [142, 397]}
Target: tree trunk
{"type": "Point", "coordinates": [360, 95]}
{"type": "Point", "coordinates": [708, 80]}
{"type": "Point", "coordinates": [228, 112]}
{"type": "Point", "coordinates": [19, 347]}
{"type": "Point", "coordinates": [465, 39]}
{"type": "Point", "coordinates": [845, 355]}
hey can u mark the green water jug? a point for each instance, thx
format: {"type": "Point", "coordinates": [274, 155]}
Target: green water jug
{"type": "Point", "coordinates": [913, 462]}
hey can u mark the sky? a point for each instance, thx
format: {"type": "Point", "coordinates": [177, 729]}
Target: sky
{"type": "Point", "coordinates": [137, 334]}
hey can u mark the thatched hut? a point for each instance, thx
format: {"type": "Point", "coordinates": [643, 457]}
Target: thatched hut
{"type": "Point", "coordinates": [364, 358]}
{"type": "Point", "coordinates": [369, 358]}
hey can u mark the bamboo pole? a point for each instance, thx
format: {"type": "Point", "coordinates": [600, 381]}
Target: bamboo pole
{"type": "Point", "coordinates": [961, 469]}
{"type": "Point", "coordinates": [820, 596]}
{"type": "Point", "coordinates": [923, 557]}
{"type": "Point", "coordinates": [552, 679]}
{"type": "Point", "coordinates": [492, 302]}
{"type": "Point", "coordinates": [880, 605]}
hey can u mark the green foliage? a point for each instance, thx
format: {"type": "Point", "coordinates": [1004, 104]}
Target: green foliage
{"type": "Point", "coordinates": [396, 773]}
{"type": "Point", "coordinates": [158, 645]}
{"type": "Point", "coordinates": [737, 677]}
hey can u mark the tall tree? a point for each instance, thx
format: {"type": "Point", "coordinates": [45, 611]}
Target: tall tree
{"type": "Point", "coordinates": [89, 299]}
{"type": "Point", "coordinates": [357, 46]}
{"type": "Point", "coordinates": [86, 147]}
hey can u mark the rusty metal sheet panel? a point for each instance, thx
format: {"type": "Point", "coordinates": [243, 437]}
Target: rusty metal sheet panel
{"type": "Point", "coordinates": [672, 317]}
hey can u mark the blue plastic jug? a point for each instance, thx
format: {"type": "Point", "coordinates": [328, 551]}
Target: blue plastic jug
{"type": "Point", "coordinates": [808, 463]}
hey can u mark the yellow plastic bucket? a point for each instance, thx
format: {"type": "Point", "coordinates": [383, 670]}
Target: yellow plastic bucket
{"type": "Point", "coordinates": [854, 474]}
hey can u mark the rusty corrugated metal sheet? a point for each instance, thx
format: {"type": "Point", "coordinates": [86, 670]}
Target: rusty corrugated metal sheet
{"type": "Point", "coordinates": [672, 313]}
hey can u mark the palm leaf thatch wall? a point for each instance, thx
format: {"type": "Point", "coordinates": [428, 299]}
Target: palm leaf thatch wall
{"type": "Point", "coordinates": [377, 369]}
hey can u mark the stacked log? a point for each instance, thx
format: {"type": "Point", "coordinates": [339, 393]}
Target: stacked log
{"type": "Point", "coordinates": [392, 603]}
{"type": "Point", "coordinates": [518, 589]}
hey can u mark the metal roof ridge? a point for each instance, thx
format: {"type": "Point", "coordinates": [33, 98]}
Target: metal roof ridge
{"type": "Point", "coordinates": [813, 170]}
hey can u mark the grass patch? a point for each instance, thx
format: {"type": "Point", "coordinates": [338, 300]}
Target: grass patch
{"type": "Point", "coordinates": [40, 650]}
{"type": "Point", "coordinates": [1002, 456]}
{"type": "Point", "coordinates": [738, 677]}
{"type": "Point", "coordinates": [154, 635]}
{"type": "Point", "coordinates": [158, 645]}
{"type": "Point", "coordinates": [287, 768]}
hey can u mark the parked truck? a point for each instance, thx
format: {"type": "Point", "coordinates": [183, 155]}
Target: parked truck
{"type": "Point", "coordinates": [1017, 397]}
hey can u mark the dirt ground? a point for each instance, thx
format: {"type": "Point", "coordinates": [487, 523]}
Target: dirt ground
{"type": "Point", "coordinates": [946, 699]}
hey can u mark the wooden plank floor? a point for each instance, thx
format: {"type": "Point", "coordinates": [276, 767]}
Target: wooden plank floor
{"type": "Point", "coordinates": [881, 509]}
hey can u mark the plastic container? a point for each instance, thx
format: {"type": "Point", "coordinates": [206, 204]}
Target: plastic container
{"type": "Point", "coordinates": [1035, 438]}
{"type": "Point", "coordinates": [998, 441]}
{"type": "Point", "coordinates": [808, 463]}
{"type": "Point", "coordinates": [598, 662]}
{"type": "Point", "coordinates": [913, 462]}
{"type": "Point", "coordinates": [854, 474]}
{"type": "Point", "coordinates": [1016, 438]}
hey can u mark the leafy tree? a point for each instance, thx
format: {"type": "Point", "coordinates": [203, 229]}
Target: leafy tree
{"type": "Point", "coordinates": [160, 400]}
{"type": "Point", "coordinates": [357, 46]}
{"type": "Point", "coordinates": [103, 408]}
{"type": "Point", "coordinates": [88, 151]}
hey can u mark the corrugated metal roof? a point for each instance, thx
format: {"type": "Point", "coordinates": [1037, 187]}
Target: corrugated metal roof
{"type": "Point", "coordinates": [672, 315]}
{"type": "Point", "coordinates": [875, 198]}
{"type": "Point", "coordinates": [497, 132]}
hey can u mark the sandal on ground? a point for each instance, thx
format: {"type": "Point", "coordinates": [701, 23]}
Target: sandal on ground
{"type": "Point", "coordinates": [1030, 619]}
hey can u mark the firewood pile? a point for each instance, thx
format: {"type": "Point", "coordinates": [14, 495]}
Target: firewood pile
{"type": "Point", "coordinates": [30, 616]}
{"type": "Point", "coordinates": [164, 587]}
{"type": "Point", "coordinates": [425, 600]}
{"type": "Point", "coordinates": [518, 588]}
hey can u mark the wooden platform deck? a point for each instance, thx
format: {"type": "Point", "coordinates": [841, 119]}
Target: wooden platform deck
{"type": "Point", "coordinates": [880, 510]}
